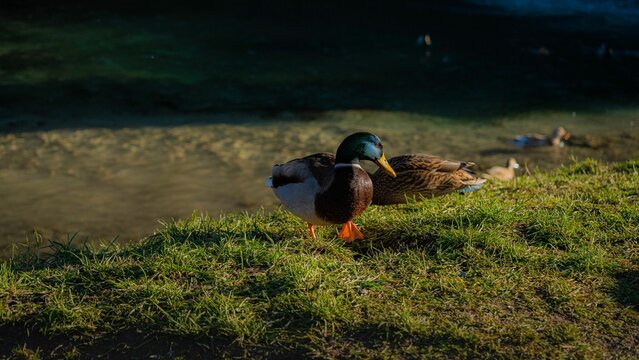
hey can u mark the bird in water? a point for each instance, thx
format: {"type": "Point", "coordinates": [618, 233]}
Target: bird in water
{"type": "Point", "coordinates": [557, 138]}
{"type": "Point", "coordinates": [502, 173]}
{"type": "Point", "coordinates": [424, 175]}
{"type": "Point", "coordinates": [325, 189]}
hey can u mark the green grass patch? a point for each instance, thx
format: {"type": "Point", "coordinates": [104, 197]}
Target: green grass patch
{"type": "Point", "coordinates": [544, 266]}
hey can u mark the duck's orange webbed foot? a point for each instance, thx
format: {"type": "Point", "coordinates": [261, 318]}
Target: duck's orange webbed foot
{"type": "Point", "coordinates": [350, 232]}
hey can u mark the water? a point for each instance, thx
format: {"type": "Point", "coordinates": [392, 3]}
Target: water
{"type": "Point", "coordinates": [114, 117]}
{"type": "Point", "coordinates": [566, 7]}
{"type": "Point", "coordinates": [105, 182]}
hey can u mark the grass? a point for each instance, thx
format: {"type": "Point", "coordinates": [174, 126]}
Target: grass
{"type": "Point", "coordinates": [546, 266]}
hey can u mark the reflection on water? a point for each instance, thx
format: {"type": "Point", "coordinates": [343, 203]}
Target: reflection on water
{"type": "Point", "coordinates": [107, 182]}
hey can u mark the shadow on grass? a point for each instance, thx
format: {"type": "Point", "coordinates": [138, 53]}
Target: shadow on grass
{"type": "Point", "coordinates": [626, 290]}
{"type": "Point", "coordinates": [126, 343]}
{"type": "Point", "coordinates": [379, 238]}
{"type": "Point", "coordinates": [142, 344]}
{"type": "Point", "coordinates": [394, 338]}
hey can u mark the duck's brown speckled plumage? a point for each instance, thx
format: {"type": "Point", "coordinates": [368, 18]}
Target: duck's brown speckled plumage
{"type": "Point", "coordinates": [424, 175]}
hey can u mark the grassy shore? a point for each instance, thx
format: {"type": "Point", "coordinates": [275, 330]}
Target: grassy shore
{"type": "Point", "coordinates": [545, 266]}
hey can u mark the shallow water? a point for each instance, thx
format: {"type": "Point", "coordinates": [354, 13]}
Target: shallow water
{"type": "Point", "coordinates": [107, 182]}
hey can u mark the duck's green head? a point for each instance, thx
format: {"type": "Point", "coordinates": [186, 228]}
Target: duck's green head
{"type": "Point", "coordinates": [363, 146]}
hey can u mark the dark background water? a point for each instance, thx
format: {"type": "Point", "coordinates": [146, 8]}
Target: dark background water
{"type": "Point", "coordinates": [64, 62]}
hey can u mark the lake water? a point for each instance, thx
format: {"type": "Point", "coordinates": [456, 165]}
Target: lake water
{"type": "Point", "coordinates": [114, 117]}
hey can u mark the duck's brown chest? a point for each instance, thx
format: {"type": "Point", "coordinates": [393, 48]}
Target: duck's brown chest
{"type": "Point", "coordinates": [348, 196]}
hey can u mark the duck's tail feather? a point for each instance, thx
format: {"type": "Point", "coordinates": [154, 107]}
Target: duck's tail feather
{"type": "Point", "coordinates": [468, 167]}
{"type": "Point", "coordinates": [269, 182]}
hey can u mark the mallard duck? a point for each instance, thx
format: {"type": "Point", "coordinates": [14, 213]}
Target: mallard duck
{"type": "Point", "coordinates": [502, 173]}
{"type": "Point", "coordinates": [327, 189]}
{"type": "Point", "coordinates": [424, 175]}
{"type": "Point", "coordinates": [556, 138]}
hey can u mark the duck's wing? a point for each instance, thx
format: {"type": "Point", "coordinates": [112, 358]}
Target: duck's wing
{"type": "Point", "coordinates": [319, 166]}
{"type": "Point", "coordinates": [429, 163]}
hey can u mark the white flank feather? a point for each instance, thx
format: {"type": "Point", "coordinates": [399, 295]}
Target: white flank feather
{"type": "Point", "coordinates": [299, 198]}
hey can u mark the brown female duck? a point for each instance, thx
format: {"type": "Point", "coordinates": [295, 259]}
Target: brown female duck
{"type": "Point", "coordinates": [424, 175]}
{"type": "Point", "coordinates": [502, 173]}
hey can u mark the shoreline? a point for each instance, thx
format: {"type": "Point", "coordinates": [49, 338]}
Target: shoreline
{"type": "Point", "coordinates": [102, 182]}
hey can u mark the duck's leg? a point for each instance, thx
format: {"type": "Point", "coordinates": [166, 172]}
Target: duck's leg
{"type": "Point", "coordinates": [312, 230]}
{"type": "Point", "coordinates": [350, 232]}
